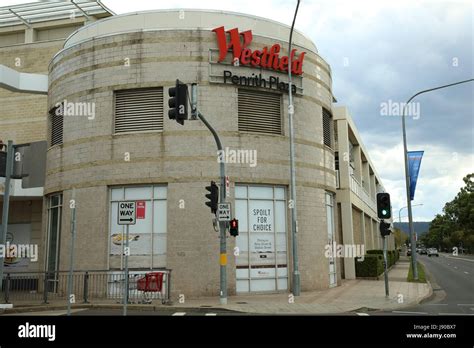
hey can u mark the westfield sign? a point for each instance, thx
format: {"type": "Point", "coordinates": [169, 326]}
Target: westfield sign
{"type": "Point", "coordinates": [266, 57]}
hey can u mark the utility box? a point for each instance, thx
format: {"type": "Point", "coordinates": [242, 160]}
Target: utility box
{"type": "Point", "coordinates": [29, 164]}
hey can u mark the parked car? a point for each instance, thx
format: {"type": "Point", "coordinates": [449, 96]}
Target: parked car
{"type": "Point", "coordinates": [433, 252]}
{"type": "Point", "coordinates": [423, 251]}
{"type": "Point", "coordinates": [409, 252]}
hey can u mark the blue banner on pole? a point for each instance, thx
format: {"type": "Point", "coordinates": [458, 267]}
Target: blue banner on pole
{"type": "Point", "coordinates": [414, 163]}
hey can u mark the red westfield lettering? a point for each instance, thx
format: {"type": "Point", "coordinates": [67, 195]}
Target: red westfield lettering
{"type": "Point", "coordinates": [266, 58]}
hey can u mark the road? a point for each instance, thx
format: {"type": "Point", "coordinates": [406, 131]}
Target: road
{"type": "Point", "coordinates": [452, 278]}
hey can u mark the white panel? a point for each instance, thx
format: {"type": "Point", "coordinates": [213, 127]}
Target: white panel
{"type": "Point", "coordinates": [261, 192]}
{"type": "Point", "coordinates": [279, 193]}
{"type": "Point", "coordinates": [282, 272]}
{"type": "Point", "coordinates": [140, 244]}
{"type": "Point", "coordinates": [261, 216]}
{"type": "Point", "coordinates": [263, 285]}
{"type": "Point", "coordinates": [138, 193]}
{"type": "Point", "coordinates": [281, 241]}
{"type": "Point", "coordinates": [262, 242]}
{"type": "Point", "coordinates": [160, 217]}
{"type": "Point", "coordinates": [159, 244]}
{"type": "Point", "coordinates": [283, 284]}
{"type": "Point", "coordinates": [242, 286]}
{"type": "Point", "coordinates": [280, 216]}
{"type": "Point", "coordinates": [240, 191]}
{"type": "Point", "coordinates": [241, 214]}
{"type": "Point", "coordinates": [242, 273]}
{"type": "Point", "coordinates": [258, 273]}
{"type": "Point", "coordinates": [160, 192]}
{"type": "Point", "coordinates": [242, 241]}
{"type": "Point", "coordinates": [117, 194]}
{"type": "Point", "coordinates": [143, 225]}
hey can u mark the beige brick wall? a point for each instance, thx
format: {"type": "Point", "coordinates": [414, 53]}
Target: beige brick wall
{"type": "Point", "coordinates": [92, 158]}
{"type": "Point", "coordinates": [23, 115]}
{"type": "Point", "coordinates": [357, 226]}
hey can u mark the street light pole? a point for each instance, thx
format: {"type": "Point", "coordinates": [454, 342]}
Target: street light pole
{"type": "Point", "coordinates": [399, 211]}
{"type": "Point", "coordinates": [294, 222]}
{"type": "Point", "coordinates": [407, 174]}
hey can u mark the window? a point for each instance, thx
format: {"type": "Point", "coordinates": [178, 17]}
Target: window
{"type": "Point", "coordinates": [56, 124]}
{"type": "Point", "coordinates": [327, 127]}
{"type": "Point", "coordinates": [259, 112]}
{"type": "Point", "coordinates": [139, 110]}
{"type": "Point", "coordinates": [54, 205]}
{"type": "Point", "coordinates": [262, 263]}
{"type": "Point", "coordinates": [147, 238]}
{"type": "Point", "coordinates": [331, 237]}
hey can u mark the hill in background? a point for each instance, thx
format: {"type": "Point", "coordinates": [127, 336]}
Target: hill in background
{"type": "Point", "coordinates": [420, 227]}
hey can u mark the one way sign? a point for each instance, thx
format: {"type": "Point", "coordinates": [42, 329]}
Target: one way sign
{"type": "Point", "coordinates": [126, 213]}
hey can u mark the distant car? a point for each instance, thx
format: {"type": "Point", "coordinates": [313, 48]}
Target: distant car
{"type": "Point", "coordinates": [409, 252]}
{"type": "Point", "coordinates": [433, 252]}
{"type": "Point", "coordinates": [423, 251]}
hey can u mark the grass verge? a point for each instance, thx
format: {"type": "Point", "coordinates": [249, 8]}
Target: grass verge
{"type": "Point", "coordinates": [421, 273]}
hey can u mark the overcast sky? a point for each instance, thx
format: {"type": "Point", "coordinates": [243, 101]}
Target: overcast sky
{"type": "Point", "coordinates": [380, 51]}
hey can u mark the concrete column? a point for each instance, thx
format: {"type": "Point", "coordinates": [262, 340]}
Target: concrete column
{"type": "Point", "coordinates": [30, 35]}
{"type": "Point", "coordinates": [343, 150]}
{"type": "Point", "coordinates": [348, 238]}
{"type": "Point", "coordinates": [373, 188]}
{"type": "Point", "coordinates": [357, 164]}
{"type": "Point", "coordinates": [365, 176]}
{"type": "Point", "coordinates": [362, 219]}
{"type": "Point", "coordinates": [372, 233]}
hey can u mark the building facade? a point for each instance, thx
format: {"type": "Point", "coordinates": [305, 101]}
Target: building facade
{"type": "Point", "coordinates": [110, 140]}
{"type": "Point", "coordinates": [30, 35]}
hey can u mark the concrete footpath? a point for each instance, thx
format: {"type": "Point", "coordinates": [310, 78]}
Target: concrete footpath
{"type": "Point", "coordinates": [352, 295]}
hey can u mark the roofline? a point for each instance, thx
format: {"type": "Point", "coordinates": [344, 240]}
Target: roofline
{"type": "Point", "coordinates": [194, 10]}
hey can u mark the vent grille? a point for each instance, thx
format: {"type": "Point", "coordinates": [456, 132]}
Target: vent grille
{"type": "Point", "coordinates": [139, 110]}
{"type": "Point", "coordinates": [57, 125]}
{"type": "Point", "coordinates": [259, 112]}
{"type": "Point", "coordinates": [327, 127]}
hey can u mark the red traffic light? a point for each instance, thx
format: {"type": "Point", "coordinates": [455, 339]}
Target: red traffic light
{"type": "Point", "coordinates": [234, 227]}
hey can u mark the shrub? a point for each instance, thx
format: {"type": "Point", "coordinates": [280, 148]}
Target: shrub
{"type": "Point", "coordinates": [375, 251]}
{"type": "Point", "coordinates": [372, 266]}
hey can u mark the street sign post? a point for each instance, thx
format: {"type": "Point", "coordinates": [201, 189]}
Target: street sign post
{"type": "Point", "coordinates": [223, 212]}
{"type": "Point", "coordinates": [126, 215]}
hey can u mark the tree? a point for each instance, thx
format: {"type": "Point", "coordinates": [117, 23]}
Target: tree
{"type": "Point", "coordinates": [455, 227]}
{"type": "Point", "coordinates": [400, 237]}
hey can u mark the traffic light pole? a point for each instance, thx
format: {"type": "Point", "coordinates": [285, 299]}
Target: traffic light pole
{"type": "Point", "coordinates": [222, 224]}
{"type": "Point", "coordinates": [385, 264]}
{"type": "Point", "coordinates": [6, 204]}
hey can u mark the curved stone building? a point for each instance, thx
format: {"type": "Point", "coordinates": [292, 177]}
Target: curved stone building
{"type": "Point", "coordinates": [111, 140]}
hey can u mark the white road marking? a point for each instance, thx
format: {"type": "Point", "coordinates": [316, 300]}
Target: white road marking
{"type": "Point", "coordinates": [454, 314]}
{"type": "Point", "coordinates": [459, 258]}
{"type": "Point", "coordinates": [437, 304]}
{"type": "Point", "coordinates": [179, 314]}
{"type": "Point", "coordinates": [210, 314]}
{"type": "Point", "coordinates": [6, 305]}
{"type": "Point", "coordinates": [465, 304]}
{"type": "Point", "coordinates": [402, 312]}
{"type": "Point", "coordinates": [362, 314]}
{"type": "Point", "coordinates": [455, 267]}
{"type": "Point", "coordinates": [466, 272]}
